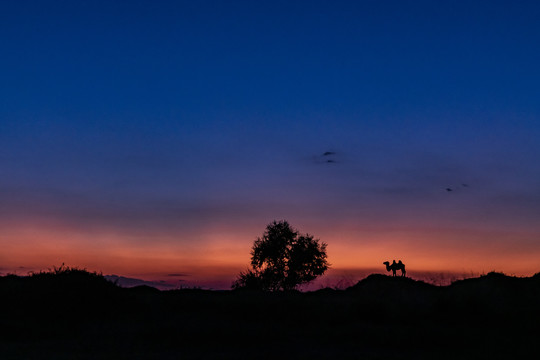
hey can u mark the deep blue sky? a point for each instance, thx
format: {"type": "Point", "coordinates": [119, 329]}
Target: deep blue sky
{"type": "Point", "coordinates": [169, 118]}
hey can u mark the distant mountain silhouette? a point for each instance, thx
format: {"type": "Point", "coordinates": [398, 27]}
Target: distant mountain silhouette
{"type": "Point", "coordinates": [131, 282]}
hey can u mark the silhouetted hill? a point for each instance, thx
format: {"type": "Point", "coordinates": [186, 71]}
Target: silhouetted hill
{"type": "Point", "coordinates": [143, 289]}
{"type": "Point", "coordinates": [385, 284]}
{"type": "Point", "coordinates": [495, 293]}
{"type": "Point", "coordinates": [494, 287]}
{"type": "Point", "coordinates": [71, 313]}
{"type": "Point", "coordinates": [486, 286]}
{"type": "Point", "coordinates": [69, 284]}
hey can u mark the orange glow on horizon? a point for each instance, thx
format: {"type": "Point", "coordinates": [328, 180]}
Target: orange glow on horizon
{"type": "Point", "coordinates": [221, 255]}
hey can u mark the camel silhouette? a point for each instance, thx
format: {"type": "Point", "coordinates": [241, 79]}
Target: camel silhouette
{"type": "Point", "coordinates": [395, 267]}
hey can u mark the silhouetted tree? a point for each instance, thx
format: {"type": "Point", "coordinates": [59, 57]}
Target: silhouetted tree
{"type": "Point", "coordinates": [282, 259]}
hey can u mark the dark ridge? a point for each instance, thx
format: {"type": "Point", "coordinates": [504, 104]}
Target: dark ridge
{"type": "Point", "coordinates": [190, 291]}
{"type": "Point", "coordinates": [75, 314]}
{"type": "Point", "coordinates": [63, 279]}
{"type": "Point", "coordinates": [326, 291]}
{"type": "Point", "coordinates": [379, 280]}
{"type": "Point", "coordinates": [143, 289]}
{"type": "Point", "coordinates": [396, 293]}
{"type": "Point", "coordinates": [397, 287]}
{"type": "Point", "coordinates": [493, 282]}
{"type": "Point", "coordinates": [496, 292]}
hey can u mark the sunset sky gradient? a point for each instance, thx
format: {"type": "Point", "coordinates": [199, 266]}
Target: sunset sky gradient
{"type": "Point", "coordinates": [157, 139]}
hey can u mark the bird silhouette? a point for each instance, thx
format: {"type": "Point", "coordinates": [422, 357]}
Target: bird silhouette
{"type": "Point", "coordinates": [327, 157]}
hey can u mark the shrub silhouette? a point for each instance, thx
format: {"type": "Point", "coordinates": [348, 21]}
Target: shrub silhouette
{"type": "Point", "coordinates": [282, 259]}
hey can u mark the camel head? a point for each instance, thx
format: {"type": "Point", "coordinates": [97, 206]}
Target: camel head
{"type": "Point", "coordinates": [386, 263]}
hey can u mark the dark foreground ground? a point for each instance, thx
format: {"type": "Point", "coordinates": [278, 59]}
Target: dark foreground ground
{"type": "Point", "coordinates": [77, 315]}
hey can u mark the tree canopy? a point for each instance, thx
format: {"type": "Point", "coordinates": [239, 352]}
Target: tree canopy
{"type": "Point", "coordinates": [282, 259]}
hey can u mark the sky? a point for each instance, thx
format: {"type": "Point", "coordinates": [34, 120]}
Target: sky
{"type": "Point", "coordinates": [157, 139]}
